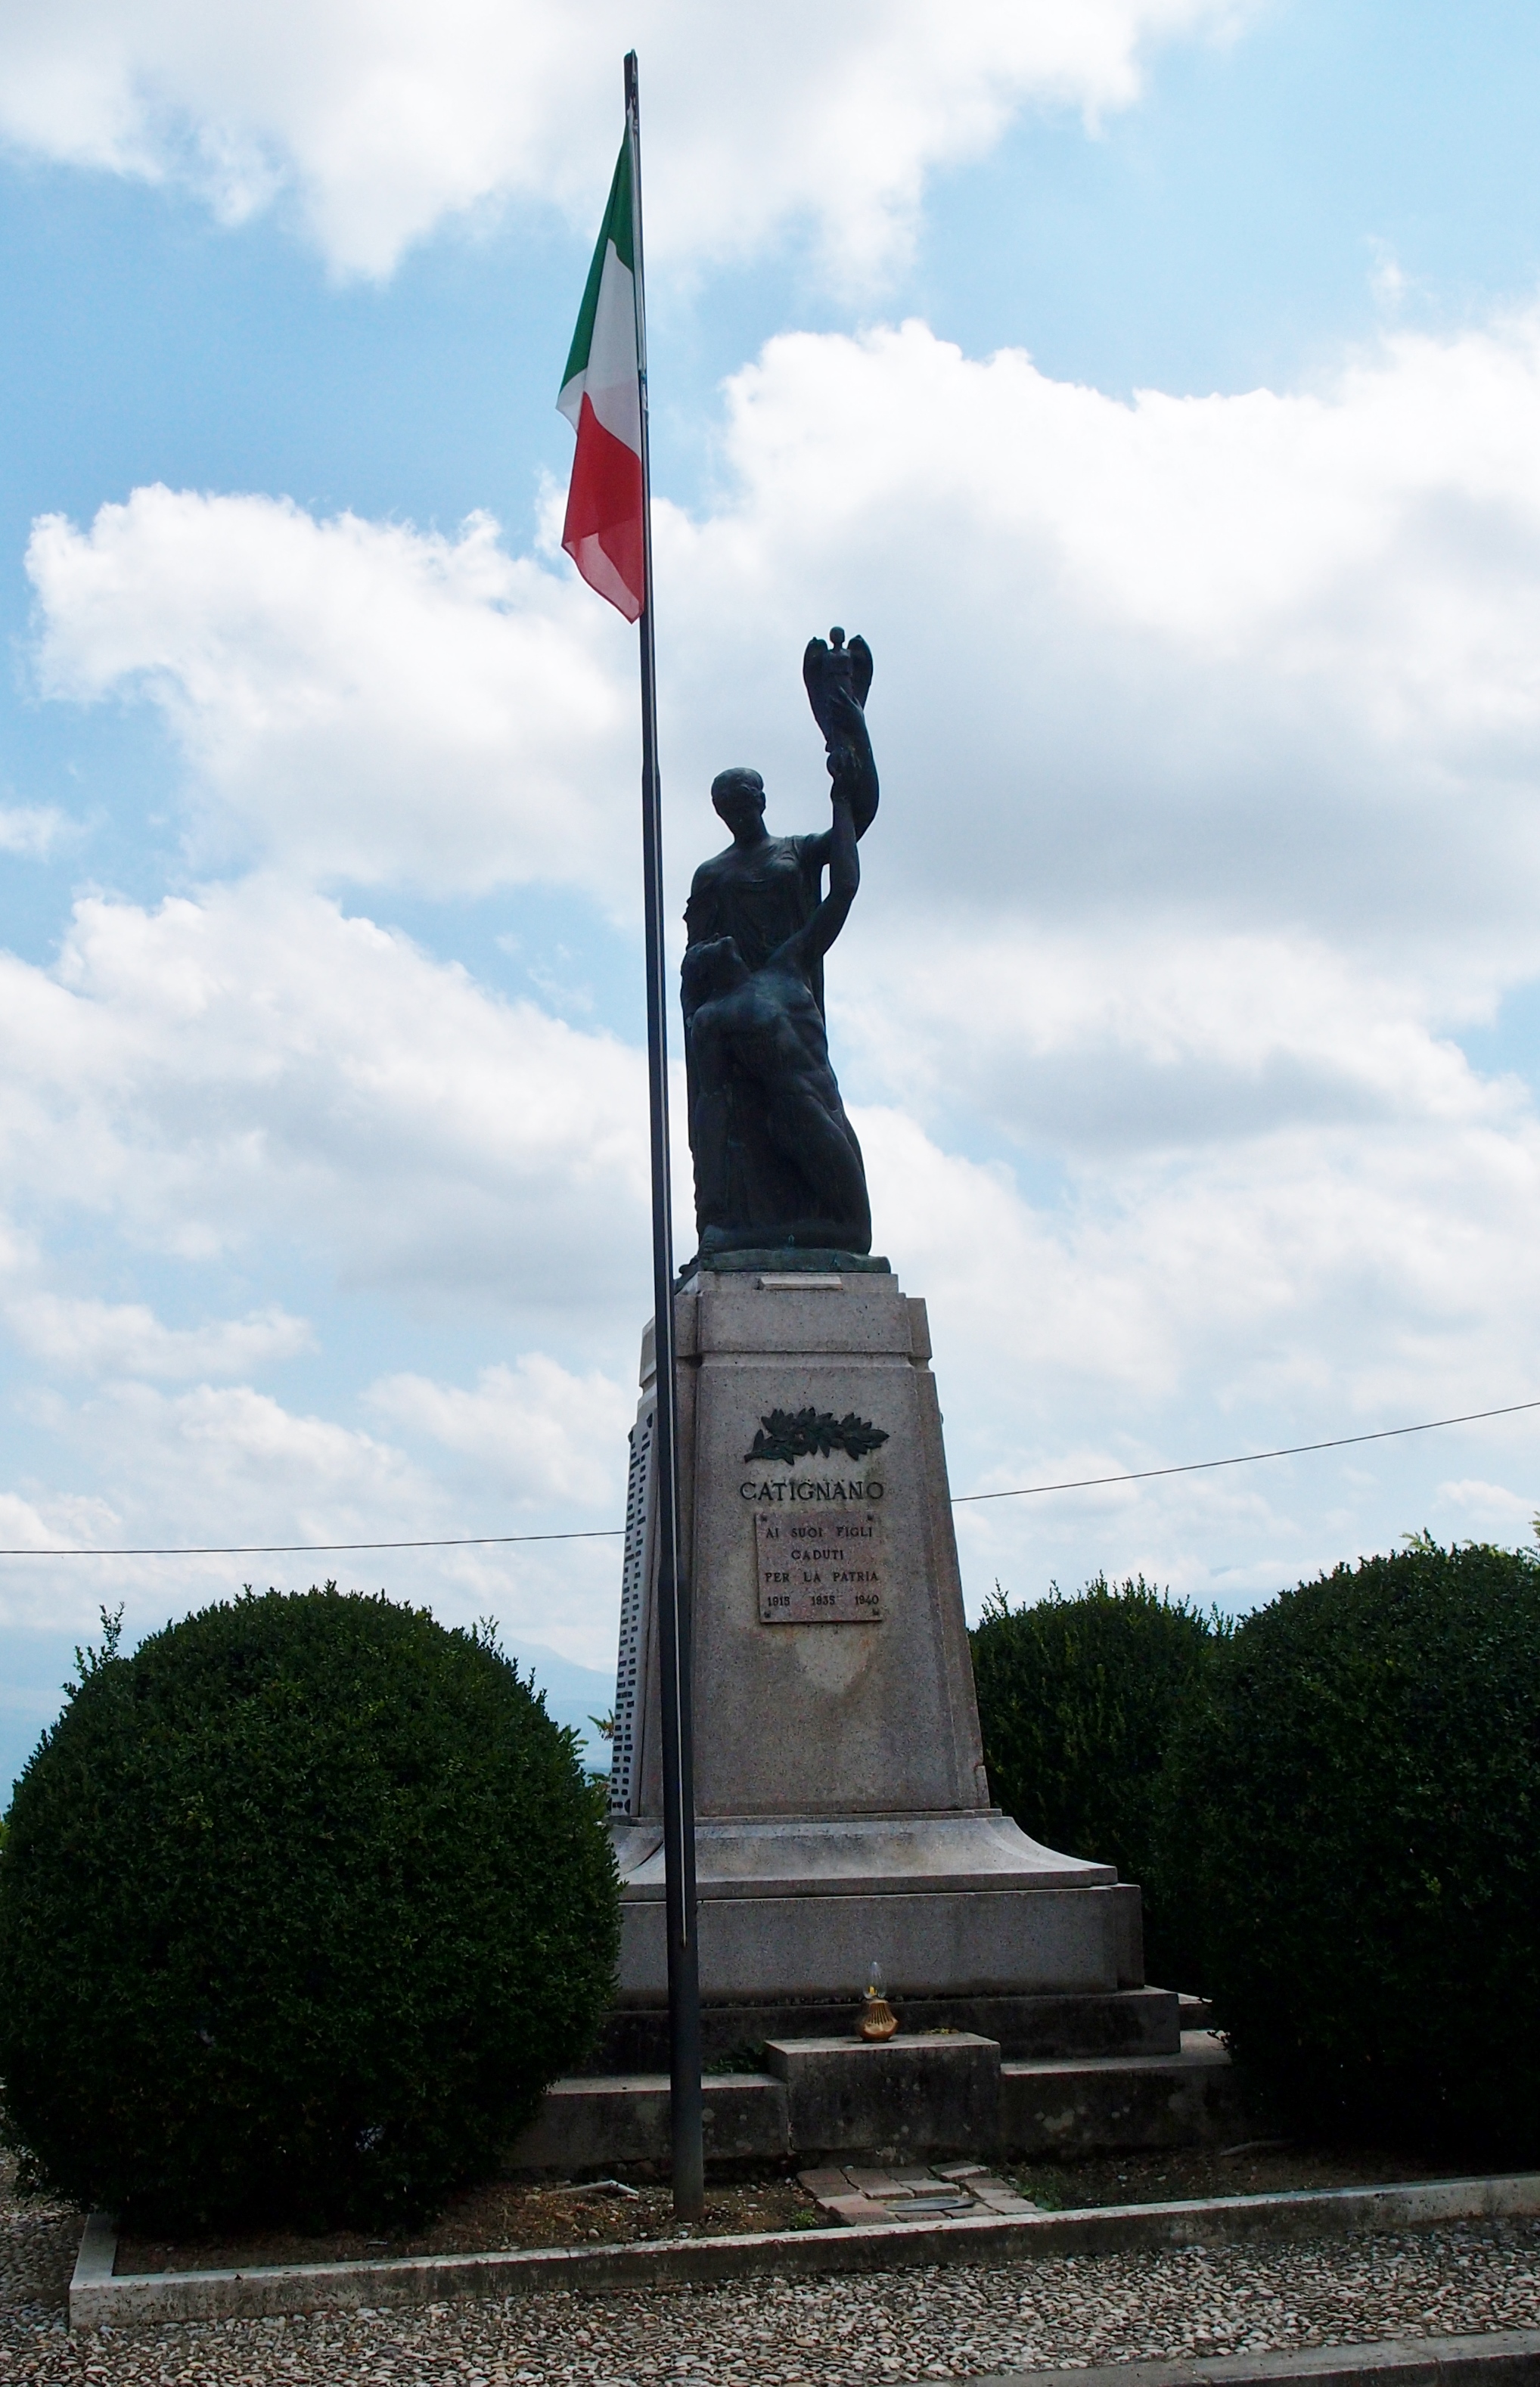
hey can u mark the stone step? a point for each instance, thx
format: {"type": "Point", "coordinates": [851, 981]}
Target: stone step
{"type": "Point", "coordinates": [1113, 2022]}
{"type": "Point", "coordinates": [911, 2097]}
{"type": "Point", "coordinates": [596, 2123]}
{"type": "Point", "coordinates": [1122, 2103]}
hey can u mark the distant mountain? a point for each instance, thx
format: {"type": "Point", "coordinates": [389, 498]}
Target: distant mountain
{"type": "Point", "coordinates": [574, 1694]}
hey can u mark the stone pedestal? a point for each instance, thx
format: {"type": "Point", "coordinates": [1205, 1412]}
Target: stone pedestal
{"type": "Point", "coordinates": [843, 1811]}
{"type": "Point", "coordinates": [910, 2095]}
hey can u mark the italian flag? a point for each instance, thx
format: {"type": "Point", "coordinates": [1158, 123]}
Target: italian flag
{"type": "Point", "coordinates": [601, 399]}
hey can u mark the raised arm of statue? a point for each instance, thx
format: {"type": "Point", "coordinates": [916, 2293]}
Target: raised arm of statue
{"type": "Point", "coordinates": [852, 768]}
{"type": "Point", "coordinates": [837, 677]}
{"type": "Point", "coordinates": [808, 946]}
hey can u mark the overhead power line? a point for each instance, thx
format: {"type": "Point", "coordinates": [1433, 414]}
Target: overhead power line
{"type": "Point", "coordinates": [1245, 1457]}
{"type": "Point", "coordinates": [319, 1549]}
{"type": "Point", "coordinates": [613, 1533]}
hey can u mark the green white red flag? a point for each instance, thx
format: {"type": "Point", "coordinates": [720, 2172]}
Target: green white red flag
{"type": "Point", "coordinates": [601, 399]}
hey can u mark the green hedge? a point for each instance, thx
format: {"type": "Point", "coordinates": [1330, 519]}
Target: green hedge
{"type": "Point", "coordinates": [1078, 1702]}
{"type": "Point", "coordinates": [1354, 1803]}
{"type": "Point", "coordinates": [301, 1908]}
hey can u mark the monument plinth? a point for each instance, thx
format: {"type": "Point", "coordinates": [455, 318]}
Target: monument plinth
{"type": "Point", "coordinates": [843, 1811]}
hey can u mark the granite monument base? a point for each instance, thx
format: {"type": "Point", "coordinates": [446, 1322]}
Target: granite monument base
{"type": "Point", "coordinates": [843, 1812]}
{"type": "Point", "coordinates": [954, 1905]}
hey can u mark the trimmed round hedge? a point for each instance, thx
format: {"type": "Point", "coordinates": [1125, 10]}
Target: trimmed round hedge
{"type": "Point", "coordinates": [1354, 1800]}
{"type": "Point", "coordinates": [1078, 1701]}
{"type": "Point", "coordinates": [301, 1906]}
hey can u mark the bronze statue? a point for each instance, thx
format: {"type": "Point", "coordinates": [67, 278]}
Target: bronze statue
{"type": "Point", "coordinates": [776, 1161]}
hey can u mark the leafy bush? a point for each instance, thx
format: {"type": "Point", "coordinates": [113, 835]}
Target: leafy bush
{"type": "Point", "coordinates": [1078, 1700]}
{"type": "Point", "coordinates": [301, 1907]}
{"type": "Point", "coordinates": [1354, 1798]}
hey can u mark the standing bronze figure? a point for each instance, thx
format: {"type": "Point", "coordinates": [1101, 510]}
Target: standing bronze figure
{"type": "Point", "coordinates": [776, 1161]}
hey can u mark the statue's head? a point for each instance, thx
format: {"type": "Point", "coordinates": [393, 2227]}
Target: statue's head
{"type": "Point", "coordinates": [739, 795]}
{"type": "Point", "coordinates": [713, 966]}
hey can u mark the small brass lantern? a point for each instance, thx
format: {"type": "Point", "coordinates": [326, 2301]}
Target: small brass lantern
{"type": "Point", "coordinates": [877, 2019]}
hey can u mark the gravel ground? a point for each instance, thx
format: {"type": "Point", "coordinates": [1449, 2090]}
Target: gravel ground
{"type": "Point", "coordinates": [893, 2325]}
{"type": "Point", "coordinates": [38, 2246]}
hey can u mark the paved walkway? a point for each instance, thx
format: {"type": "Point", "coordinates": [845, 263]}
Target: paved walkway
{"type": "Point", "coordinates": [895, 2326]}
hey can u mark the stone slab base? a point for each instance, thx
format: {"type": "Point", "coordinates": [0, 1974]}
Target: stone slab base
{"type": "Point", "coordinates": [818, 1941]}
{"type": "Point", "coordinates": [924, 2096]}
{"type": "Point", "coordinates": [905, 2095]}
{"type": "Point", "coordinates": [1113, 2022]}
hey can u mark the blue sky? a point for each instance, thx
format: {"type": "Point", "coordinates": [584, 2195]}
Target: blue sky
{"type": "Point", "coordinates": [1190, 1016]}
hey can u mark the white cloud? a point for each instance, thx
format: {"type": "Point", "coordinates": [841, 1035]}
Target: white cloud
{"type": "Point", "coordinates": [1180, 1306]}
{"type": "Point", "coordinates": [1209, 733]}
{"type": "Point", "coordinates": [213, 1466]}
{"type": "Point", "coordinates": [52, 1523]}
{"type": "Point", "coordinates": [33, 829]}
{"type": "Point", "coordinates": [362, 701]}
{"type": "Point", "coordinates": [239, 1083]}
{"type": "Point", "coordinates": [125, 1338]}
{"type": "Point", "coordinates": [1490, 1512]}
{"type": "Point", "coordinates": [237, 1442]}
{"type": "Point", "coordinates": [1264, 661]}
{"type": "Point", "coordinates": [1089, 1044]}
{"type": "Point", "coordinates": [383, 121]}
{"type": "Point", "coordinates": [537, 1431]}
{"type": "Point", "coordinates": [253, 1063]}
{"type": "Point", "coordinates": [1255, 667]}
{"type": "Point", "coordinates": [1383, 1271]}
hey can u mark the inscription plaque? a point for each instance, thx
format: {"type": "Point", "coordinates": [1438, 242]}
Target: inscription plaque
{"type": "Point", "coordinates": [820, 1570]}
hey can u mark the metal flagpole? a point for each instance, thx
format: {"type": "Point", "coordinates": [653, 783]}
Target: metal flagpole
{"type": "Point", "coordinates": [674, 1638]}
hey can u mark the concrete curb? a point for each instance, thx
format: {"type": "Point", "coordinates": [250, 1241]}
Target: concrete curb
{"type": "Point", "coordinates": [98, 2300]}
{"type": "Point", "coordinates": [1502, 2358]}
